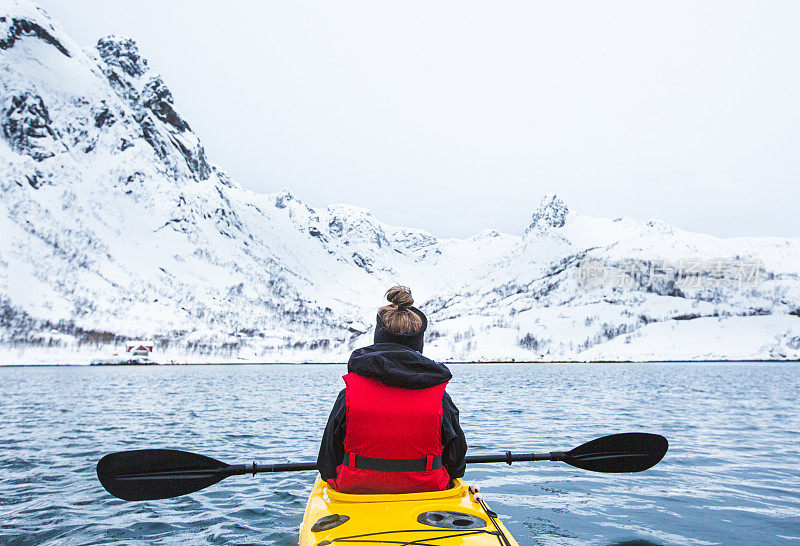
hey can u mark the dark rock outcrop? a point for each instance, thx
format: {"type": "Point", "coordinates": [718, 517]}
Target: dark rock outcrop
{"type": "Point", "coordinates": [158, 99]}
{"type": "Point", "coordinates": [552, 213]}
{"type": "Point", "coordinates": [124, 67]}
{"type": "Point", "coordinates": [122, 53]}
{"type": "Point", "coordinates": [26, 125]}
{"type": "Point", "coordinates": [21, 27]}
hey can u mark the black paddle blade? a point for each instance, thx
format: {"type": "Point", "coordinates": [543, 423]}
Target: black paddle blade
{"type": "Point", "coordinates": [149, 474]}
{"type": "Point", "coordinates": [627, 452]}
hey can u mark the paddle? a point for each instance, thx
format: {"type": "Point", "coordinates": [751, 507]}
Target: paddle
{"type": "Point", "coordinates": [627, 452]}
{"type": "Point", "coordinates": [150, 474]}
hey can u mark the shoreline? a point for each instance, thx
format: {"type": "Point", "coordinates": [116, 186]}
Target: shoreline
{"type": "Point", "coordinates": [448, 362]}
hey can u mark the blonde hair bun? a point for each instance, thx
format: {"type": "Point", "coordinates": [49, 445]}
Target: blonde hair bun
{"type": "Point", "coordinates": [397, 316]}
{"type": "Point", "coordinates": [400, 296]}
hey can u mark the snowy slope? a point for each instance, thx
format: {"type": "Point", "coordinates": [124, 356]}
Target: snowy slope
{"type": "Point", "coordinates": [537, 299]}
{"type": "Point", "coordinates": [115, 224]}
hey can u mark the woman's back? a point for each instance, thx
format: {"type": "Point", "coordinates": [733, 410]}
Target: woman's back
{"type": "Point", "coordinates": [393, 429]}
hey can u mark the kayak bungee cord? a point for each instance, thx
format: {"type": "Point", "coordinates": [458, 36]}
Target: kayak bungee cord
{"type": "Point", "coordinates": [501, 536]}
{"type": "Point", "coordinates": [418, 542]}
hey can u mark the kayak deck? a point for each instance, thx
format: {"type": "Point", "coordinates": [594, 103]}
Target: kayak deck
{"type": "Point", "coordinates": [438, 518]}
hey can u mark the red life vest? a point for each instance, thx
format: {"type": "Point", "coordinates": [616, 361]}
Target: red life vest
{"type": "Point", "coordinates": [393, 440]}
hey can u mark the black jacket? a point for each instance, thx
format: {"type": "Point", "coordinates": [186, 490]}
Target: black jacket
{"type": "Point", "coordinates": [395, 365]}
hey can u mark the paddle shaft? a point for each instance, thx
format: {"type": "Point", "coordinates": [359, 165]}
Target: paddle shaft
{"type": "Point", "coordinates": [508, 457]}
{"type": "Point", "coordinates": [255, 468]}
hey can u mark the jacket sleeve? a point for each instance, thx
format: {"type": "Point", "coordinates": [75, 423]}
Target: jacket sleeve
{"type": "Point", "coordinates": [331, 450]}
{"type": "Point", "coordinates": [455, 445]}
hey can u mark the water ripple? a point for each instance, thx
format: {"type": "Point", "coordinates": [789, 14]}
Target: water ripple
{"type": "Point", "coordinates": [731, 475]}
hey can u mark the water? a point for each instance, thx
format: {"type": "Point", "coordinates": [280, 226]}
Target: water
{"type": "Point", "coordinates": [732, 475]}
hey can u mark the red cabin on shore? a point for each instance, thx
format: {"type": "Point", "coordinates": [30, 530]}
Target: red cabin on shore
{"type": "Point", "coordinates": [139, 348]}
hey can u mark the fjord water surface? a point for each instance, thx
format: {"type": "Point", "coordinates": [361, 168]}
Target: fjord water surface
{"type": "Point", "coordinates": [731, 476]}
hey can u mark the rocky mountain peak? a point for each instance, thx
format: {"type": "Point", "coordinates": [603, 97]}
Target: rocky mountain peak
{"type": "Point", "coordinates": [284, 197]}
{"type": "Point", "coordinates": [660, 226]}
{"type": "Point", "coordinates": [551, 213]}
{"type": "Point", "coordinates": [122, 52]}
{"type": "Point", "coordinates": [486, 234]}
{"type": "Point", "coordinates": [354, 226]}
{"type": "Point", "coordinates": [130, 76]}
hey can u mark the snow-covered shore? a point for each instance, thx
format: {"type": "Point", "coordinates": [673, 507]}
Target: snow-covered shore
{"type": "Point", "coordinates": [704, 339]}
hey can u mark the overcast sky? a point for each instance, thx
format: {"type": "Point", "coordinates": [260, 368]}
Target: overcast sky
{"type": "Point", "coordinates": [455, 117]}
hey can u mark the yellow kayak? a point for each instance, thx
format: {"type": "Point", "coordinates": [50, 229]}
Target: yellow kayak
{"type": "Point", "coordinates": [447, 518]}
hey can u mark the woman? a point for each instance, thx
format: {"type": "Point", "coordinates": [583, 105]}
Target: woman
{"type": "Point", "coordinates": [393, 429]}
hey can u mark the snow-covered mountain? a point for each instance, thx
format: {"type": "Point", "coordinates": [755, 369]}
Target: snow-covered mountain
{"type": "Point", "coordinates": [115, 225]}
